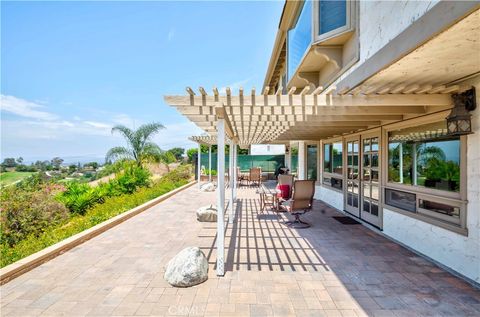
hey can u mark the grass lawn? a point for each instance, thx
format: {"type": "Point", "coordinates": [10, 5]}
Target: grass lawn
{"type": "Point", "coordinates": [8, 178]}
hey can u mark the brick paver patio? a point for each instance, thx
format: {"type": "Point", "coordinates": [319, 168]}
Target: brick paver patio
{"type": "Point", "coordinates": [330, 269]}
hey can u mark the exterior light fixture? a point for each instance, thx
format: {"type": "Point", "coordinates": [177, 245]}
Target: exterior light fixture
{"type": "Point", "coordinates": [459, 121]}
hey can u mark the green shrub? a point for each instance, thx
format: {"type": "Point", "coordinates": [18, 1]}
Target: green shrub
{"type": "Point", "coordinates": [111, 207]}
{"type": "Point", "coordinates": [25, 213]}
{"type": "Point", "coordinates": [132, 177]}
{"type": "Point", "coordinates": [78, 197]}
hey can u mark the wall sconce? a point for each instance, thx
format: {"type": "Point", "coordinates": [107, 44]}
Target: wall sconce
{"type": "Point", "coordinates": [287, 149]}
{"type": "Point", "coordinates": [459, 121]}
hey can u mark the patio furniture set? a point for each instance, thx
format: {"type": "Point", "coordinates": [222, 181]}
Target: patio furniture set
{"type": "Point", "coordinates": [290, 195]}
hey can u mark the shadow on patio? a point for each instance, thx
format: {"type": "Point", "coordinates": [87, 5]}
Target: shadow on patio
{"type": "Point", "coordinates": [350, 266]}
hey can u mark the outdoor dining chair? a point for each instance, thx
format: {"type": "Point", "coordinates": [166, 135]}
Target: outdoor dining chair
{"type": "Point", "coordinates": [300, 203]}
{"type": "Point", "coordinates": [255, 175]}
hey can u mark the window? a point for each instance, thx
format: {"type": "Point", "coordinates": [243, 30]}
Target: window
{"type": "Point", "coordinates": [311, 162]}
{"type": "Point", "coordinates": [424, 156]}
{"type": "Point", "coordinates": [424, 174]}
{"type": "Point", "coordinates": [299, 38]}
{"type": "Point", "coordinates": [332, 15]}
{"type": "Point", "coordinates": [333, 164]}
{"type": "Point", "coordinates": [333, 18]}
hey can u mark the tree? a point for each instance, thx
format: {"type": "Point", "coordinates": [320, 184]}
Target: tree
{"type": "Point", "coordinates": [56, 162]}
{"type": "Point", "coordinates": [177, 152]}
{"type": "Point", "coordinates": [72, 168]}
{"type": "Point", "coordinates": [9, 162]}
{"type": "Point", "coordinates": [93, 165]}
{"type": "Point", "coordinates": [139, 146]}
{"type": "Point", "coordinates": [20, 160]}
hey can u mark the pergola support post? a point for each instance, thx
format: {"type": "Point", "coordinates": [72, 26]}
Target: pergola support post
{"type": "Point", "coordinates": [220, 197]}
{"type": "Point", "coordinates": [199, 164]}
{"type": "Point", "coordinates": [301, 160]}
{"type": "Point", "coordinates": [210, 163]}
{"type": "Point", "coordinates": [231, 180]}
{"type": "Point", "coordinates": [235, 176]}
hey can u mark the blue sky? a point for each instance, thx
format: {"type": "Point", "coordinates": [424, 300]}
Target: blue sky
{"type": "Point", "coordinates": [71, 70]}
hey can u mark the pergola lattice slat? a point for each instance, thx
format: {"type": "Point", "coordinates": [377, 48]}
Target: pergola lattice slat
{"type": "Point", "coordinates": [267, 118]}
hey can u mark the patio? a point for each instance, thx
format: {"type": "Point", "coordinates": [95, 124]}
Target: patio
{"type": "Point", "coordinates": [330, 269]}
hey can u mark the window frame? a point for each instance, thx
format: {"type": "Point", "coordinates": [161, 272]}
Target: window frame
{"type": "Point", "coordinates": [456, 199]}
{"type": "Point", "coordinates": [318, 145]}
{"type": "Point", "coordinates": [287, 40]}
{"type": "Point", "coordinates": [324, 174]}
{"type": "Point", "coordinates": [351, 6]}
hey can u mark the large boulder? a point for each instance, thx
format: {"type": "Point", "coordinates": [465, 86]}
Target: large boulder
{"type": "Point", "coordinates": [208, 187]}
{"type": "Point", "coordinates": [207, 213]}
{"type": "Point", "coordinates": [187, 268]}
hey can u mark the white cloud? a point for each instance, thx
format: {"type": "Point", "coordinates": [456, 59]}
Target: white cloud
{"type": "Point", "coordinates": [177, 134]}
{"type": "Point", "coordinates": [123, 119]}
{"type": "Point", "coordinates": [98, 125]}
{"type": "Point", "coordinates": [171, 34]}
{"type": "Point", "coordinates": [235, 86]}
{"type": "Point", "coordinates": [25, 108]}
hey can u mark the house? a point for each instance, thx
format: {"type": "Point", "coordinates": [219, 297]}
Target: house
{"type": "Point", "coordinates": [380, 97]}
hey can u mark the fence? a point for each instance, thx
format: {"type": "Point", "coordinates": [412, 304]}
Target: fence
{"type": "Point", "coordinates": [268, 163]}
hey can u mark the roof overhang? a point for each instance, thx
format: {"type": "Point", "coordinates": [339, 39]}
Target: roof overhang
{"type": "Point", "coordinates": [430, 56]}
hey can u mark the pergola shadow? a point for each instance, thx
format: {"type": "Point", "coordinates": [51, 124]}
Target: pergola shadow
{"type": "Point", "coordinates": [354, 263]}
{"type": "Point", "coordinates": [260, 241]}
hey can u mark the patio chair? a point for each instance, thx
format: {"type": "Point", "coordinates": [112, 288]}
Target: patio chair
{"type": "Point", "coordinates": [240, 176]}
{"type": "Point", "coordinates": [300, 203]}
{"type": "Point", "coordinates": [255, 175]}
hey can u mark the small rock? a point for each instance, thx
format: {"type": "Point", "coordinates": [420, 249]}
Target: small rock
{"type": "Point", "coordinates": [187, 268]}
{"type": "Point", "coordinates": [208, 187]}
{"type": "Point", "coordinates": [207, 213]}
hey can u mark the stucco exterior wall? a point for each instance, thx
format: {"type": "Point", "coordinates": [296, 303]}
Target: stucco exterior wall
{"type": "Point", "coordinates": [458, 252]}
{"type": "Point", "coordinates": [376, 27]}
{"type": "Point", "coordinates": [331, 197]}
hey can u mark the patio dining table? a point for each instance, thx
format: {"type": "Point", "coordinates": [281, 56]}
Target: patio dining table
{"type": "Point", "coordinates": [268, 195]}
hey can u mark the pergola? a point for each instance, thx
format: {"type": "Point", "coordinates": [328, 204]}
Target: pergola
{"type": "Point", "coordinates": [312, 114]}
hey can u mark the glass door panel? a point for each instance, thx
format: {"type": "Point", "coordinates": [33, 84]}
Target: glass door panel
{"type": "Point", "coordinates": [370, 181]}
{"type": "Point", "coordinates": [352, 195]}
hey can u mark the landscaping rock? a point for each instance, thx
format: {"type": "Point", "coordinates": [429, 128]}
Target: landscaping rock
{"type": "Point", "coordinates": [207, 213]}
{"type": "Point", "coordinates": [208, 187]}
{"type": "Point", "coordinates": [187, 268]}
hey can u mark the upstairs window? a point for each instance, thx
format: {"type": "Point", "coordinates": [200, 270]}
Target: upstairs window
{"type": "Point", "coordinates": [299, 38]}
{"type": "Point", "coordinates": [332, 15]}
{"type": "Point", "coordinates": [333, 18]}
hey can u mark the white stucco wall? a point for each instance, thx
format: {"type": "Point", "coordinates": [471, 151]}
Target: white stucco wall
{"type": "Point", "coordinates": [377, 28]}
{"type": "Point", "coordinates": [458, 252]}
{"type": "Point", "coordinates": [331, 197]}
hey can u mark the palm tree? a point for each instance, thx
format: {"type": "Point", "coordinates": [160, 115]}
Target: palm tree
{"type": "Point", "coordinates": [139, 146]}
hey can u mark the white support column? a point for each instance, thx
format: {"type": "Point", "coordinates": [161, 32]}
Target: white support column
{"type": "Point", "coordinates": [400, 155]}
{"type": "Point", "coordinates": [230, 178]}
{"type": "Point", "coordinates": [220, 196]}
{"type": "Point", "coordinates": [235, 176]}
{"type": "Point", "coordinates": [199, 163]}
{"type": "Point", "coordinates": [301, 160]}
{"type": "Point", "coordinates": [210, 163]}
